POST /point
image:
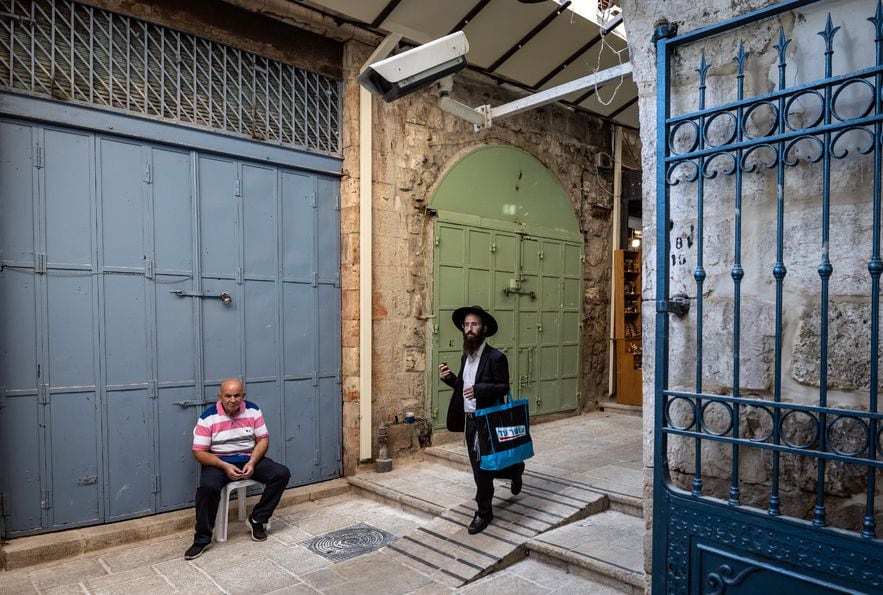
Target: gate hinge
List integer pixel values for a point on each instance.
(339, 376)
(4, 504)
(315, 377)
(45, 499)
(2, 397)
(38, 156)
(152, 393)
(337, 201)
(337, 279)
(313, 199)
(493, 247)
(315, 281)
(148, 174)
(40, 263)
(156, 484)
(434, 328)
(238, 275)
(541, 254)
(435, 413)
(148, 268)
(236, 187)
(316, 457)
(436, 241)
(43, 394)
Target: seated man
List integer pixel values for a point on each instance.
(230, 441)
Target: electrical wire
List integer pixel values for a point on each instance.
(603, 17)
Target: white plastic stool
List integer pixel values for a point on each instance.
(223, 506)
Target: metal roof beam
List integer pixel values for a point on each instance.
(390, 6)
(567, 62)
(470, 15)
(623, 107)
(531, 34)
(584, 96)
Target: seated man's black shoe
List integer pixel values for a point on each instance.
(195, 550)
(258, 533)
(479, 524)
(515, 486)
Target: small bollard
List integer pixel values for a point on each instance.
(383, 463)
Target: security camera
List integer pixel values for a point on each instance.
(416, 68)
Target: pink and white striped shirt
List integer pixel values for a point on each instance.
(232, 439)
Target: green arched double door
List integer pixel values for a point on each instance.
(506, 239)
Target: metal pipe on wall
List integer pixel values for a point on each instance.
(366, 265)
(614, 245)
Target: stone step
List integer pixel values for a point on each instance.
(423, 486)
(457, 459)
(444, 547)
(606, 547)
(537, 574)
(614, 407)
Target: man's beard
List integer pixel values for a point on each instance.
(471, 343)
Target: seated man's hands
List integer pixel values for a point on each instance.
(233, 472)
(247, 470)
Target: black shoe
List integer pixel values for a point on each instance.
(479, 524)
(258, 533)
(195, 550)
(515, 486)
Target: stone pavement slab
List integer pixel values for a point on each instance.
(39, 549)
(609, 545)
(531, 576)
(238, 565)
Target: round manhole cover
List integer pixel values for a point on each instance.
(349, 542)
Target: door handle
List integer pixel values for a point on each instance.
(223, 296)
(190, 403)
(507, 291)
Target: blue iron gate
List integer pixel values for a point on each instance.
(766, 193)
(135, 277)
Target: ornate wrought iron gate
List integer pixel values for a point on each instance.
(768, 433)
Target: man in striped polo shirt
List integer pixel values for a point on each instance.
(230, 441)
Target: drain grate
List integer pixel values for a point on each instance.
(349, 542)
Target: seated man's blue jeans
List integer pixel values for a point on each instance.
(273, 475)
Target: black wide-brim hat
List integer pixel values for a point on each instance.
(490, 325)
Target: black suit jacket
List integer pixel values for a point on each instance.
(491, 385)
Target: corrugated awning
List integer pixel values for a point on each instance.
(534, 46)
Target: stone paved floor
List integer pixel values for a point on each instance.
(579, 453)
(281, 564)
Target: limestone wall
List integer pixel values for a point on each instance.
(414, 145)
(849, 246)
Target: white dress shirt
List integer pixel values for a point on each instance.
(469, 371)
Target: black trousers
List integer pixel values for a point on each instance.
(484, 480)
(273, 475)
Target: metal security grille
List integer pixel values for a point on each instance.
(83, 54)
(734, 157)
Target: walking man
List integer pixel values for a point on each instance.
(230, 441)
(483, 381)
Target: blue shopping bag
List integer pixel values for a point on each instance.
(504, 434)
